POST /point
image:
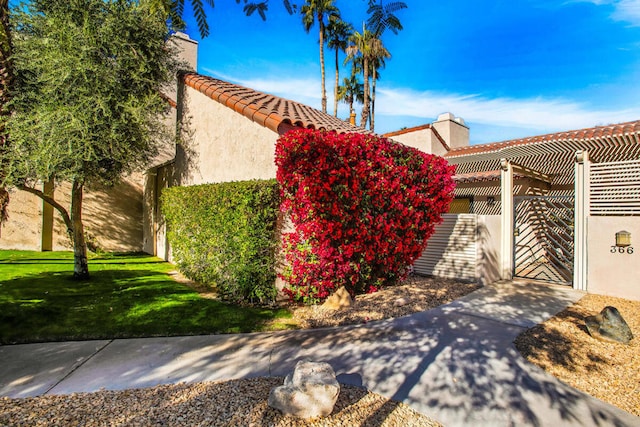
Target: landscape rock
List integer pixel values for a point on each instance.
(401, 302)
(310, 391)
(609, 325)
(339, 300)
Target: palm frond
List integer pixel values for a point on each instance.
(201, 17)
(175, 15)
(395, 6)
(381, 16)
(178, 7)
(260, 7)
(291, 8)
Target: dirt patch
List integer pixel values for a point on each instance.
(563, 347)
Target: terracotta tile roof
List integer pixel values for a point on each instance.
(573, 136)
(278, 114)
(418, 128)
(172, 103)
(407, 130)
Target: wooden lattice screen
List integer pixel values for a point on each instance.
(615, 188)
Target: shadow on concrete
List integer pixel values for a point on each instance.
(456, 363)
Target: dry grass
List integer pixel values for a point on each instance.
(563, 347)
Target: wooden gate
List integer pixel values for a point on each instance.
(543, 238)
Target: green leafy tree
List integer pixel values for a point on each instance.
(87, 104)
(322, 12)
(338, 33)
(6, 82)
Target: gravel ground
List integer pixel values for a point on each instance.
(563, 347)
(229, 403)
(244, 402)
(413, 295)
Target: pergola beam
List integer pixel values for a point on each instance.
(506, 241)
(529, 173)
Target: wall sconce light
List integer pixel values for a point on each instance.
(491, 201)
(623, 239)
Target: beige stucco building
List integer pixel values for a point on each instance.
(541, 208)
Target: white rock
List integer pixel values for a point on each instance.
(400, 302)
(310, 391)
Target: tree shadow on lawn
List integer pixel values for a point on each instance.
(115, 304)
(10, 257)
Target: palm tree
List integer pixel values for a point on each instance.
(378, 55)
(319, 10)
(351, 91)
(338, 33)
(381, 18)
(361, 47)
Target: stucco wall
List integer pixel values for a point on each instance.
(220, 145)
(613, 273)
(112, 218)
(23, 229)
(452, 130)
(488, 235)
(420, 139)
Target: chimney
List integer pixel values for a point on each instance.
(187, 50)
(187, 53)
(453, 130)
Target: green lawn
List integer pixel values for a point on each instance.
(128, 295)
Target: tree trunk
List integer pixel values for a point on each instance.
(374, 76)
(335, 88)
(80, 264)
(365, 105)
(75, 229)
(324, 90)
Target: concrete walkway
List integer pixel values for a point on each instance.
(455, 363)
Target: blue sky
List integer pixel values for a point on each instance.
(509, 69)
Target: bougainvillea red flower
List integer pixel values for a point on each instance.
(363, 208)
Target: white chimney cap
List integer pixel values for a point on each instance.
(445, 116)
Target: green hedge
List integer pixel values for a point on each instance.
(225, 235)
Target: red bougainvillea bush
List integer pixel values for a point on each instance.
(362, 208)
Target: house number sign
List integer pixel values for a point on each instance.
(621, 249)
